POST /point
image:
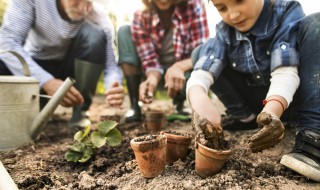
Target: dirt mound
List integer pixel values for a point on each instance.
(42, 165)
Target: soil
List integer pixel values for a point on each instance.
(41, 165)
(208, 135)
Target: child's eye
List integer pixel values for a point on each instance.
(221, 8)
(238, 1)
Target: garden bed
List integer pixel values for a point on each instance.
(42, 165)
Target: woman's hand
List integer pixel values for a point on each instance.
(149, 86)
(174, 80)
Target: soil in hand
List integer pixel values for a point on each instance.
(209, 135)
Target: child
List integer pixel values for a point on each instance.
(262, 51)
(159, 43)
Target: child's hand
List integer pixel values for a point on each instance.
(206, 133)
(271, 133)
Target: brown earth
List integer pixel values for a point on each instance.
(42, 165)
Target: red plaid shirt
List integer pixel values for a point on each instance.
(190, 28)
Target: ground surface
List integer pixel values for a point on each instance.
(42, 165)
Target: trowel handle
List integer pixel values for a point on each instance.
(51, 106)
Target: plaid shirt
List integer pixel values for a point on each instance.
(190, 28)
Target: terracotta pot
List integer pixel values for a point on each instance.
(177, 146)
(154, 121)
(209, 161)
(150, 154)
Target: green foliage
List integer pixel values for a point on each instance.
(87, 143)
(3, 5)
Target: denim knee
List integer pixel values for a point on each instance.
(127, 50)
(90, 43)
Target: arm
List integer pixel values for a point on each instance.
(284, 83)
(206, 117)
(17, 23)
(199, 33)
(197, 95)
(112, 72)
(141, 29)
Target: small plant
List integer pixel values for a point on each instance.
(87, 143)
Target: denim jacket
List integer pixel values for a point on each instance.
(270, 43)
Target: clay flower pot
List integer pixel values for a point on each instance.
(154, 120)
(177, 146)
(150, 153)
(209, 161)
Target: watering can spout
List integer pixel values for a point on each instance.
(49, 108)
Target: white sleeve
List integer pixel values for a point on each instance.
(284, 82)
(201, 78)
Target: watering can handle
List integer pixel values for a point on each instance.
(25, 67)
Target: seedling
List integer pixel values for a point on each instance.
(88, 142)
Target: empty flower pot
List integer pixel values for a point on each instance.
(209, 161)
(154, 120)
(150, 153)
(177, 146)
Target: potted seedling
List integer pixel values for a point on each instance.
(87, 142)
(211, 149)
(150, 153)
(177, 145)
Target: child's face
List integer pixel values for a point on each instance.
(240, 14)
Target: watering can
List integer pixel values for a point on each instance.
(20, 116)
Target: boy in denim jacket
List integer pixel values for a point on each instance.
(263, 65)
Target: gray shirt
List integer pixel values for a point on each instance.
(34, 28)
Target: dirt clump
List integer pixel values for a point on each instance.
(209, 135)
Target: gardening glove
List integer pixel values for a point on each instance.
(271, 133)
(207, 134)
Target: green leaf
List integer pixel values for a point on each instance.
(114, 137)
(106, 126)
(82, 134)
(72, 156)
(87, 154)
(77, 147)
(79, 152)
(84, 158)
(97, 139)
(78, 136)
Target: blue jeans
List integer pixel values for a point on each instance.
(242, 96)
(89, 45)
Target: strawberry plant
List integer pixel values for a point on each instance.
(87, 141)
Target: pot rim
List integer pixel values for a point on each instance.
(144, 146)
(209, 151)
(178, 139)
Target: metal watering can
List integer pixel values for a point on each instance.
(20, 116)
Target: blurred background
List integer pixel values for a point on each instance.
(121, 12)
